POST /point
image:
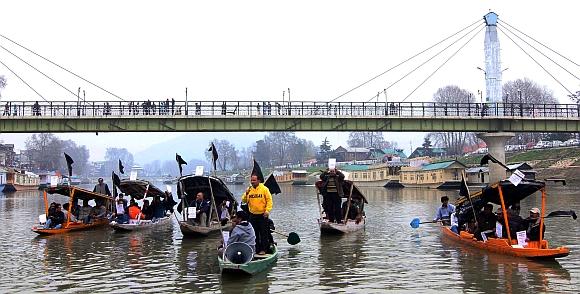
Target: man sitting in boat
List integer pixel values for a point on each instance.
(202, 207)
(224, 213)
(444, 211)
(55, 219)
(99, 211)
(135, 211)
(242, 231)
(332, 194)
(85, 212)
(157, 208)
(516, 223)
(354, 212)
(65, 212)
(533, 225)
(121, 211)
(486, 220)
(168, 202)
(147, 209)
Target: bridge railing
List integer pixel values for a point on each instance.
(294, 109)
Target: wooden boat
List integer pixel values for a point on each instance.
(139, 225)
(187, 188)
(299, 177)
(349, 225)
(140, 189)
(20, 180)
(258, 264)
(236, 179)
(73, 193)
(504, 193)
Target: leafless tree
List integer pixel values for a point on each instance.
(448, 99)
(369, 140)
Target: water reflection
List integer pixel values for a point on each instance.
(339, 258)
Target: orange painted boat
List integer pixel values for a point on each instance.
(502, 246)
(74, 193)
(505, 193)
(71, 227)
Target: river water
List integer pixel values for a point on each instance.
(388, 255)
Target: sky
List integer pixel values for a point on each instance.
(248, 50)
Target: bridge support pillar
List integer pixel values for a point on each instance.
(496, 147)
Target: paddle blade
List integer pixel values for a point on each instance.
(293, 238)
(415, 223)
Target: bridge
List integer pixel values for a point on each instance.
(249, 116)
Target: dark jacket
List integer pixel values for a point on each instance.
(57, 218)
(203, 206)
(102, 189)
(533, 229)
(338, 179)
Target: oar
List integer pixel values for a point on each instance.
(292, 238)
(562, 213)
(416, 222)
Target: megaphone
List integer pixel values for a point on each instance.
(239, 253)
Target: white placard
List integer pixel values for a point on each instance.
(226, 236)
(331, 163)
(498, 230)
(133, 175)
(168, 188)
(483, 236)
(191, 213)
(516, 177)
(522, 238)
(199, 170)
(120, 208)
(53, 181)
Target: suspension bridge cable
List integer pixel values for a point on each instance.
(29, 86)
(540, 43)
(70, 72)
(432, 57)
(508, 30)
(530, 56)
(388, 70)
(38, 70)
(443, 64)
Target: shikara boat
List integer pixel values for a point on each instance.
(187, 188)
(348, 225)
(140, 189)
(505, 193)
(73, 193)
(258, 264)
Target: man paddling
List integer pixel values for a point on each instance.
(444, 211)
(259, 202)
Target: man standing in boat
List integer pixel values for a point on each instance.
(260, 203)
(332, 194)
(102, 188)
(444, 211)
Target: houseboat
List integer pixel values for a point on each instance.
(378, 175)
(283, 176)
(479, 176)
(299, 177)
(19, 180)
(236, 179)
(441, 175)
(2, 178)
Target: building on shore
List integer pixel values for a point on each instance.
(377, 175)
(479, 176)
(446, 174)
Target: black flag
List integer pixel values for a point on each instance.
(116, 179)
(463, 189)
(485, 160)
(121, 167)
(272, 185)
(116, 182)
(257, 171)
(69, 162)
(214, 155)
(180, 161)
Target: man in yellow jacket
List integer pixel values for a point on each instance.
(259, 202)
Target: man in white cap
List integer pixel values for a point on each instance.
(533, 225)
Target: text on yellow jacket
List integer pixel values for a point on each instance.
(259, 199)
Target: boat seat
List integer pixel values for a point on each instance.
(262, 256)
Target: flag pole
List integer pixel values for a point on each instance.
(211, 192)
(464, 182)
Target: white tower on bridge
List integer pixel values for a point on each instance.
(492, 61)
